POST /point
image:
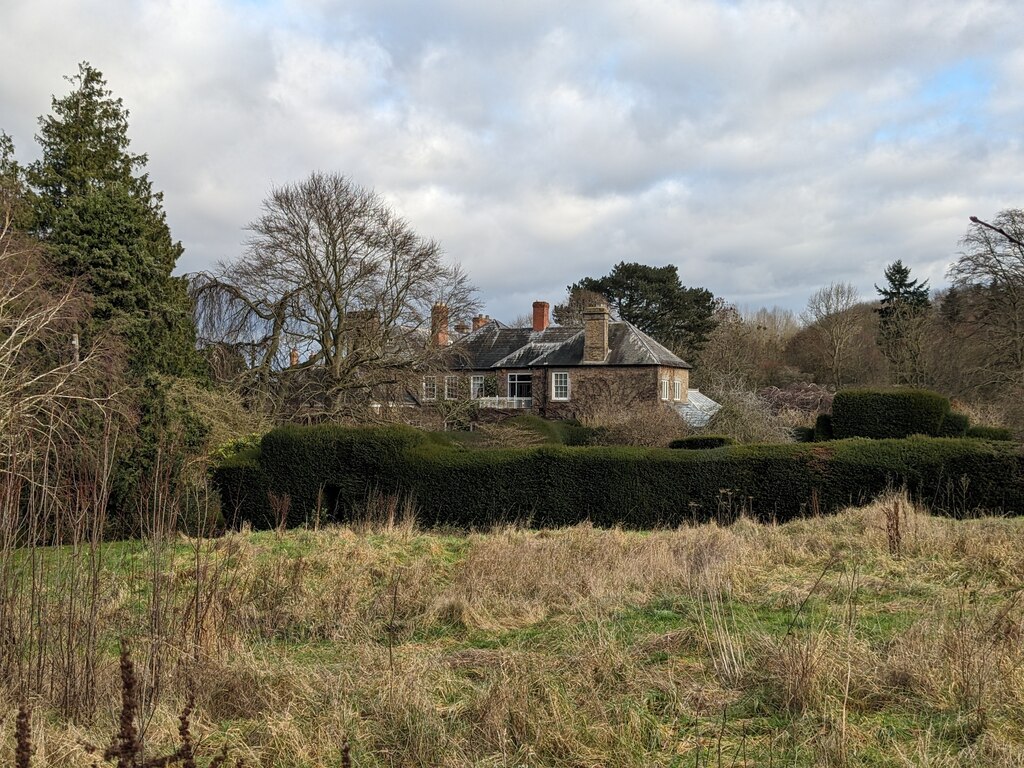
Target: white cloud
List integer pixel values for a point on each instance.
(765, 147)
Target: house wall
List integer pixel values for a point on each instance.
(589, 386)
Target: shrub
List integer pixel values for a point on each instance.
(699, 442)
(803, 434)
(981, 432)
(748, 419)
(823, 428)
(880, 414)
(320, 469)
(243, 487)
(954, 425)
(576, 434)
(333, 470)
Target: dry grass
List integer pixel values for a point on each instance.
(808, 643)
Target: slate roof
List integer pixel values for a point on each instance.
(698, 408)
(497, 346)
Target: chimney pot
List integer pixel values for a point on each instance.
(540, 315)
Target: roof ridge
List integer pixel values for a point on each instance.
(645, 337)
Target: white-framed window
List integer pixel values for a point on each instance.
(664, 389)
(430, 388)
(451, 387)
(677, 390)
(560, 385)
(476, 387)
(520, 385)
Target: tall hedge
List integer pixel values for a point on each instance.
(335, 469)
(881, 414)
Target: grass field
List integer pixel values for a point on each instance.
(882, 636)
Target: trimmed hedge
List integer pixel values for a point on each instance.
(954, 425)
(989, 433)
(337, 468)
(803, 434)
(700, 442)
(244, 490)
(881, 414)
(823, 430)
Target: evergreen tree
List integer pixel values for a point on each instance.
(97, 212)
(655, 301)
(900, 292)
(14, 210)
(901, 314)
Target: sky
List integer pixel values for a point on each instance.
(765, 148)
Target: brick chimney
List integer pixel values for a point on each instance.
(480, 321)
(595, 334)
(293, 358)
(540, 315)
(461, 329)
(439, 324)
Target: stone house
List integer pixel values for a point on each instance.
(557, 371)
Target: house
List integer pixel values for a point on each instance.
(559, 371)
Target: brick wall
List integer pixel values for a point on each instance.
(588, 385)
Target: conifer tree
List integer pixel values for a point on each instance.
(901, 316)
(95, 208)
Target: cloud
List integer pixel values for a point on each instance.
(764, 147)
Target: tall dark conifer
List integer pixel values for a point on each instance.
(95, 208)
(900, 292)
(655, 301)
(903, 308)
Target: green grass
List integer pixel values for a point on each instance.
(590, 647)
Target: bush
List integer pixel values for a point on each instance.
(989, 433)
(803, 434)
(243, 487)
(748, 419)
(954, 425)
(576, 434)
(332, 470)
(699, 442)
(823, 428)
(881, 414)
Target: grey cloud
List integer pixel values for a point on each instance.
(763, 147)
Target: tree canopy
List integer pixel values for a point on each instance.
(104, 226)
(333, 272)
(655, 301)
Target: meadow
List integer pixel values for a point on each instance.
(880, 636)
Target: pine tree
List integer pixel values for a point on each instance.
(655, 301)
(900, 292)
(903, 308)
(96, 210)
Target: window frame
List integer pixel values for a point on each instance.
(554, 387)
(477, 386)
(451, 387)
(664, 389)
(677, 390)
(432, 380)
(520, 377)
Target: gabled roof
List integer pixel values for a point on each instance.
(497, 346)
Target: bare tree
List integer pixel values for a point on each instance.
(333, 273)
(834, 328)
(990, 274)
